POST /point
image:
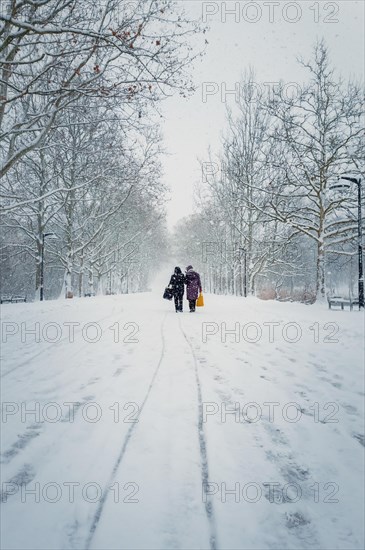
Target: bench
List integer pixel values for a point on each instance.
(89, 294)
(339, 301)
(12, 299)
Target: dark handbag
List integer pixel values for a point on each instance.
(168, 295)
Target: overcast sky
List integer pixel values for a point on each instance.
(269, 41)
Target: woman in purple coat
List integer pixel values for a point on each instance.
(193, 286)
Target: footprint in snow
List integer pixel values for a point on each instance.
(350, 409)
(89, 383)
(267, 378)
(22, 478)
(277, 494)
(318, 367)
(22, 441)
(360, 438)
(307, 413)
(71, 413)
(294, 473)
(277, 436)
(302, 394)
(239, 391)
(226, 398)
(295, 520)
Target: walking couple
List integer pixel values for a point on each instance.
(193, 287)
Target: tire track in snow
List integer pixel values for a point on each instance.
(123, 449)
(297, 522)
(209, 510)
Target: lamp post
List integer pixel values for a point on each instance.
(44, 235)
(244, 271)
(340, 185)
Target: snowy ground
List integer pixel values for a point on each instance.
(131, 443)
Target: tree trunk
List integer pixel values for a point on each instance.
(38, 268)
(320, 275)
(68, 277)
(40, 226)
(81, 274)
(99, 287)
(91, 281)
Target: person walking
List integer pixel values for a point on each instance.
(193, 287)
(177, 286)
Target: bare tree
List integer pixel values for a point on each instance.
(319, 131)
(57, 51)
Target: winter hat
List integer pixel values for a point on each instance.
(177, 270)
(189, 267)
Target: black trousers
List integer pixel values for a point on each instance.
(192, 304)
(178, 298)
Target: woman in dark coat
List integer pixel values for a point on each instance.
(193, 286)
(177, 286)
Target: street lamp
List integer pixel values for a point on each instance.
(342, 185)
(244, 272)
(54, 236)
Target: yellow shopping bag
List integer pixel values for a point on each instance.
(200, 300)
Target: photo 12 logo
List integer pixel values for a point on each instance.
(250, 92)
(272, 12)
(273, 491)
(270, 332)
(68, 491)
(70, 331)
(68, 411)
(269, 411)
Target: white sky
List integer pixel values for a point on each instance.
(192, 125)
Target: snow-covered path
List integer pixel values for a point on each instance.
(156, 430)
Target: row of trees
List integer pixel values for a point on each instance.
(80, 85)
(269, 207)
